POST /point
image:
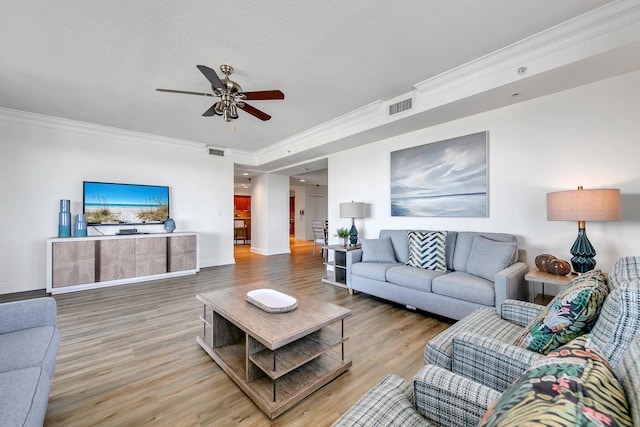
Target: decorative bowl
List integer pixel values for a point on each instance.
(272, 301)
(542, 262)
(559, 267)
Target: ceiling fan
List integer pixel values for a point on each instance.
(231, 95)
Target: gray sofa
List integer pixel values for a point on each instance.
(29, 343)
(482, 271)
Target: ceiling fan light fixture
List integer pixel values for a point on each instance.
(231, 95)
(233, 111)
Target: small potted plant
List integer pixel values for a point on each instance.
(343, 234)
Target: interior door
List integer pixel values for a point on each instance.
(316, 209)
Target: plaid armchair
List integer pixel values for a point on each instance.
(441, 398)
(481, 346)
(479, 351)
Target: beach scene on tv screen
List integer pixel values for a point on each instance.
(106, 203)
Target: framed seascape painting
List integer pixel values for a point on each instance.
(444, 179)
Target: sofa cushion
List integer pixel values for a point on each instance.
(26, 314)
(570, 314)
(24, 395)
(571, 386)
(465, 287)
(372, 270)
(625, 270)
(619, 319)
(628, 373)
(377, 250)
(28, 348)
(464, 241)
(411, 277)
(427, 250)
(400, 242)
(488, 257)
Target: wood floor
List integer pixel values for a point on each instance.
(129, 357)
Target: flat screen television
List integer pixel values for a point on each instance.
(105, 203)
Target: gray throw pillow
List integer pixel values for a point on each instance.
(487, 257)
(377, 250)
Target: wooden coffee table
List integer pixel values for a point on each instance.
(277, 359)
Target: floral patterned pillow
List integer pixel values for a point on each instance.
(570, 314)
(573, 385)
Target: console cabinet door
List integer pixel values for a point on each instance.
(182, 253)
(151, 256)
(116, 259)
(73, 263)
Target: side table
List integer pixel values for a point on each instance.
(537, 276)
(336, 270)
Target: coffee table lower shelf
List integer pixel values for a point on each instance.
(289, 389)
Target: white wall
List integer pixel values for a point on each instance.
(585, 136)
(41, 164)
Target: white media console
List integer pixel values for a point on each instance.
(79, 263)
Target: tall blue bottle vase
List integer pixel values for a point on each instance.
(64, 219)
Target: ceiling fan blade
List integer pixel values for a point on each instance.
(254, 111)
(210, 112)
(211, 76)
(264, 94)
(185, 92)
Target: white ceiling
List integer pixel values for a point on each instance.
(101, 61)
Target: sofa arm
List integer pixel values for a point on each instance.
(509, 283)
(445, 398)
(520, 312)
(26, 314)
(352, 257)
(389, 403)
(489, 361)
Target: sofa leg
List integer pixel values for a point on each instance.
(410, 307)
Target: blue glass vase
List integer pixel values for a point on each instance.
(169, 225)
(81, 226)
(64, 219)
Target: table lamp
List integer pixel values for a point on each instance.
(353, 210)
(583, 205)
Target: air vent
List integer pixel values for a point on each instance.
(216, 152)
(399, 107)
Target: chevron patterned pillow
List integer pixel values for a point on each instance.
(427, 250)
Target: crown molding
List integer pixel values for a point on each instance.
(348, 124)
(607, 28)
(41, 120)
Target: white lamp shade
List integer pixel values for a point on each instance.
(352, 210)
(584, 205)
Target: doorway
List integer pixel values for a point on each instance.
(316, 210)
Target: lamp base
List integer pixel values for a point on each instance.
(583, 253)
(353, 234)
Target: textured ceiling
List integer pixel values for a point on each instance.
(100, 61)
